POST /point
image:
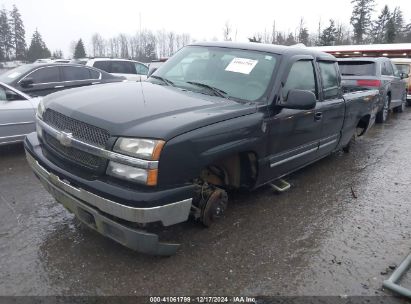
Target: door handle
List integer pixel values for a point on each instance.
(318, 116)
(59, 87)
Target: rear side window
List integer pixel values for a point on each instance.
(403, 68)
(386, 69)
(102, 65)
(94, 74)
(122, 67)
(329, 79)
(301, 77)
(75, 73)
(357, 68)
(46, 75)
(141, 69)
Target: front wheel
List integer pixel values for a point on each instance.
(382, 115)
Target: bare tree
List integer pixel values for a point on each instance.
(227, 31)
(123, 46)
(170, 41)
(97, 45)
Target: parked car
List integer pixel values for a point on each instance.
(375, 73)
(130, 69)
(404, 66)
(17, 114)
(215, 116)
(82, 61)
(154, 65)
(43, 79)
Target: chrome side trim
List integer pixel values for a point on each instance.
(169, 214)
(17, 123)
(12, 136)
(293, 157)
(100, 152)
(328, 143)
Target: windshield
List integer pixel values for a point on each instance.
(403, 68)
(232, 73)
(357, 68)
(9, 76)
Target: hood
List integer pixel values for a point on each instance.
(144, 109)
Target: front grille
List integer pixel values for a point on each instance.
(80, 130)
(85, 159)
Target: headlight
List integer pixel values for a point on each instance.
(133, 174)
(40, 109)
(148, 149)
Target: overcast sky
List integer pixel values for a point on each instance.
(62, 21)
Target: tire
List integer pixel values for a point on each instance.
(401, 108)
(382, 115)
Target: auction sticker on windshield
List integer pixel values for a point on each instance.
(241, 65)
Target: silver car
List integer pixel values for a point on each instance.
(17, 114)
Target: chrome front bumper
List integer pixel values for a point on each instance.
(169, 214)
(90, 209)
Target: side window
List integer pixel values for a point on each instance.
(75, 73)
(9, 95)
(46, 75)
(386, 69)
(394, 68)
(122, 67)
(3, 95)
(329, 79)
(141, 69)
(301, 77)
(94, 74)
(390, 69)
(102, 65)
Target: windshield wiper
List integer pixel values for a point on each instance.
(216, 91)
(165, 80)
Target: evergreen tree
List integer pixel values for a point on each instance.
(280, 39)
(255, 38)
(79, 51)
(18, 34)
(37, 49)
(361, 18)
(5, 36)
(290, 40)
(379, 26)
(303, 36)
(407, 34)
(390, 31)
(328, 36)
(398, 19)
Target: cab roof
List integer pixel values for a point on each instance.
(269, 48)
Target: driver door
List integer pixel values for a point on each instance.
(16, 116)
(295, 134)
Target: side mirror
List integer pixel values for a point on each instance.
(299, 100)
(151, 72)
(27, 82)
(403, 75)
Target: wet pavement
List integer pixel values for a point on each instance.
(336, 232)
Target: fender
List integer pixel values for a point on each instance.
(186, 155)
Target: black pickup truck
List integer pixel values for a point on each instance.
(215, 117)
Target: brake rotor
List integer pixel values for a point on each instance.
(215, 207)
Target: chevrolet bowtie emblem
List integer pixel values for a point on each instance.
(65, 138)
